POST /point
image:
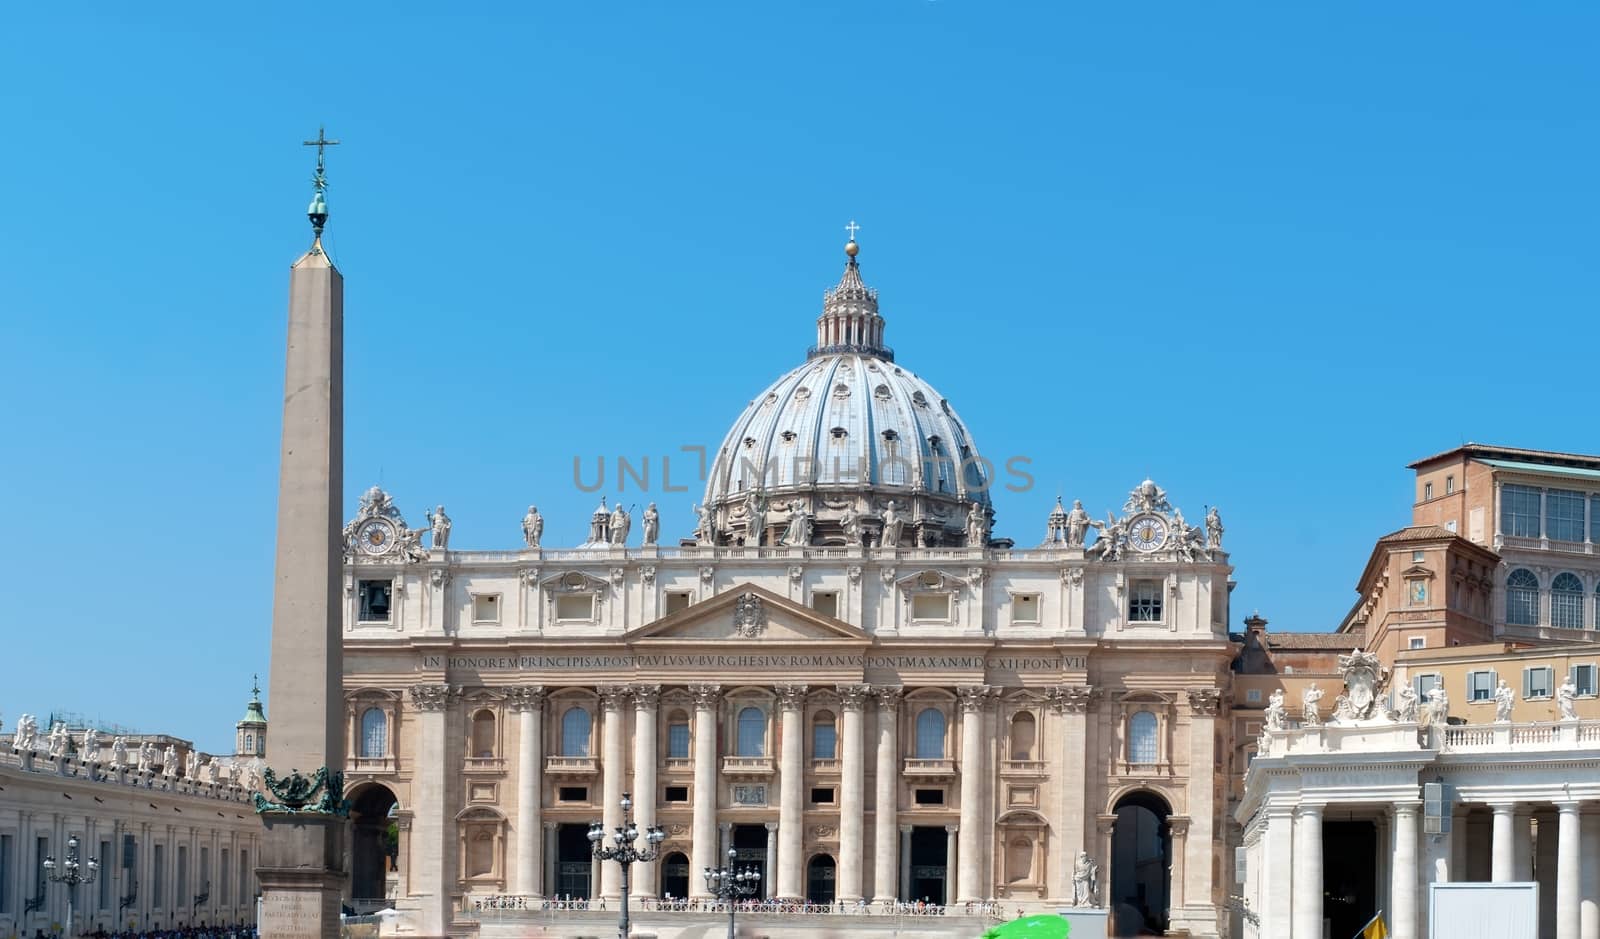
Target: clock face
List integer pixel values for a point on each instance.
(376, 536)
(1147, 533)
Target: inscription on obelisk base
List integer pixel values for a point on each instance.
(301, 877)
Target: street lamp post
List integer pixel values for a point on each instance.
(731, 886)
(624, 852)
(72, 874)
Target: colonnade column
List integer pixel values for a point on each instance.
(885, 884)
(552, 847)
(431, 807)
(791, 780)
(1569, 866)
(1308, 872)
(704, 848)
(613, 772)
(974, 702)
(905, 864)
(646, 877)
(852, 804)
(1070, 775)
(1589, 905)
(1502, 867)
(769, 883)
(1403, 886)
(529, 705)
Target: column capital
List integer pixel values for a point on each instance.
(705, 696)
(1308, 809)
(888, 696)
(525, 698)
(725, 826)
(771, 826)
(852, 697)
(1205, 701)
(1070, 699)
(905, 829)
(1178, 825)
(1503, 808)
(791, 697)
(551, 826)
(612, 696)
(1105, 824)
(645, 697)
(976, 697)
(951, 829)
(1568, 806)
(1407, 809)
(433, 697)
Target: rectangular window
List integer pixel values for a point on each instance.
(1519, 511)
(1253, 696)
(573, 794)
(578, 607)
(223, 883)
(1025, 608)
(825, 602)
(822, 795)
(677, 600)
(676, 794)
(1583, 676)
(1449, 485)
(158, 864)
(1144, 602)
(1427, 491)
(1538, 682)
(1422, 684)
(105, 881)
(1417, 557)
(1594, 519)
(1563, 511)
(486, 608)
(375, 596)
(930, 607)
(678, 741)
(1418, 642)
(5, 873)
(929, 797)
(1480, 686)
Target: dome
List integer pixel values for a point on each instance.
(839, 438)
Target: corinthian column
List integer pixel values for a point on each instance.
(1070, 702)
(974, 702)
(613, 770)
(645, 698)
(529, 705)
(791, 793)
(704, 849)
(431, 807)
(886, 802)
(852, 807)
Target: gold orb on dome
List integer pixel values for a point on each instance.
(851, 248)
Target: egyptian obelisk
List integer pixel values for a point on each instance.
(301, 867)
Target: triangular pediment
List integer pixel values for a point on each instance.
(747, 613)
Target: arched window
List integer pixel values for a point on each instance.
(374, 734)
(1142, 745)
(575, 732)
(1023, 735)
(824, 736)
(1522, 598)
(1566, 601)
(677, 736)
(930, 734)
(752, 732)
(483, 734)
(1019, 861)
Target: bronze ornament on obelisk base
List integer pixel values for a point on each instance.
(301, 865)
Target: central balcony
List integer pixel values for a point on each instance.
(747, 767)
(930, 769)
(577, 767)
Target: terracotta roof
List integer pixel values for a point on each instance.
(1418, 533)
(1489, 450)
(1341, 641)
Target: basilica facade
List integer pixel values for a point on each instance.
(846, 676)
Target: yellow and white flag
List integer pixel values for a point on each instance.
(1374, 929)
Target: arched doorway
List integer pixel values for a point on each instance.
(820, 879)
(1141, 862)
(674, 876)
(374, 841)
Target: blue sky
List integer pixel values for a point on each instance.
(1267, 255)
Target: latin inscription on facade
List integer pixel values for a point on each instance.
(774, 661)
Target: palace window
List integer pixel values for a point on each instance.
(1449, 485)
(1253, 696)
(677, 600)
(573, 794)
(1519, 511)
(575, 732)
(486, 608)
(1024, 733)
(1594, 519)
(1563, 510)
(930, 607)
(929, 797)
(1144, 602)
(1566, 601)
(1417, 642)
(675, 794)
(1583, 677)
(822, 795)
(374, 733)
(752, 732)
(824, 736)
(825, 602)
(930, 734)
(1025, 608)
(678, 736)
(374, 596)
(1538, 682)
(1522, 598)
(1480, 686)
(1422, 684)
(483, 734)
(1427, 491)
(1142, 742)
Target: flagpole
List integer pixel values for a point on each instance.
(1362, 932)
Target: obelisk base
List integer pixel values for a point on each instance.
(302, 876)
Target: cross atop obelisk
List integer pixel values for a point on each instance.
(318, 212)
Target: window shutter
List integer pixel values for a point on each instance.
(1527, 683)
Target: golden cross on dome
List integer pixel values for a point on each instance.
(852, 228)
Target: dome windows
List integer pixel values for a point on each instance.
(919, 399)
(802, 393)
(841, 390)
(935, 445)
(881, 392)
(770, 399)
(788, 436)
(891, 435)
(838, 434)
(749, 443)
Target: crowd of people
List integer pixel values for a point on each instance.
(202, 931)
(669, 903)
